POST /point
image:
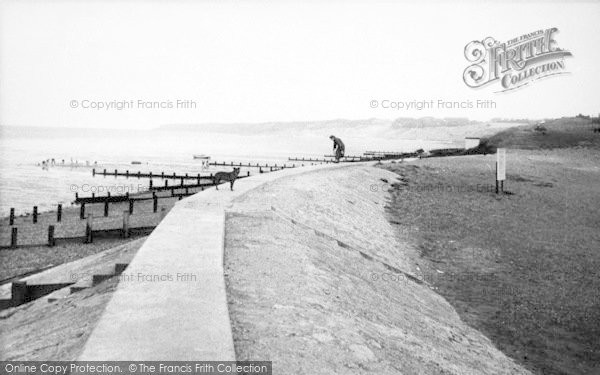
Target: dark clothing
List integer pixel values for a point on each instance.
(338, 147)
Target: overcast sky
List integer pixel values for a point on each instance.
(275, 61)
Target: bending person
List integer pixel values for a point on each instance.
(338, 147)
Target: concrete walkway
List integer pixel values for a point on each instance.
(171, 303)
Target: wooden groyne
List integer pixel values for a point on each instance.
(32, 230)
(325, 161)
(309, 160)
(382, 153)
(48, 233)
(371, 156)
(161, 175)
(350, 157)
(271, 167)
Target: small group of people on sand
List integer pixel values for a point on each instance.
(45, 164)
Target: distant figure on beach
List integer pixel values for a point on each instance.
(338, 147)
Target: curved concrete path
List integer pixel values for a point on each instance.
(171, 303)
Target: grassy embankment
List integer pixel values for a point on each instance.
(522, 267)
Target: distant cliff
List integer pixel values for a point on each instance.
(427, 128)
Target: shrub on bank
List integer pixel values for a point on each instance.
(485, 147)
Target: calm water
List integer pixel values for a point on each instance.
(23, 183)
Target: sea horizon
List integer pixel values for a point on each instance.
(25, 183)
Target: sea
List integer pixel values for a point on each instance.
(25, 182)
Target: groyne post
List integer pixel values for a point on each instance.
(35, 214)
(125, 232)
(11, 219)
(59, 213)
(82, 211)
(88, 229)
(13, 237)
(51, 239)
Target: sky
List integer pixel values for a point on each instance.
(260, 61)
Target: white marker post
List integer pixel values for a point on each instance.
(500, 169)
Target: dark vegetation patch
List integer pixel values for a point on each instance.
(521, 268)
